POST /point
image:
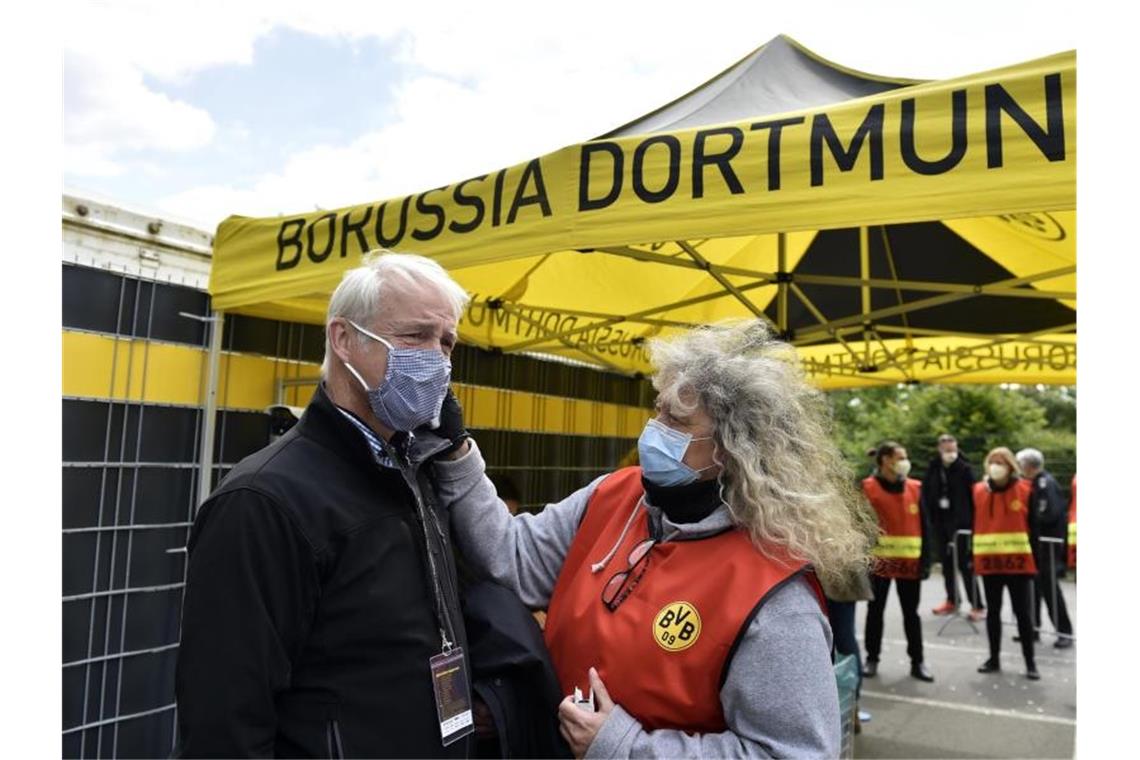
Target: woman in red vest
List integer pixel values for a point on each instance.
(1002, 554)
(686, 593)
(900, 555)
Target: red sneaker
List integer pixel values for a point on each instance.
(945, 608)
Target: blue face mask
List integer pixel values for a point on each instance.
(661, 449)
(414, 386)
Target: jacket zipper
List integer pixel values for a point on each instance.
(332, 736)
(446, 626)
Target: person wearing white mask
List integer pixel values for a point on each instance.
(686, 592)
(901, 555)
(947, 497)
(1002, 554)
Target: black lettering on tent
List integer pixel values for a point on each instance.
(933, 358)
(318, 256)
(585, 202)
(1037, 357)
(722, 159)
(474, 201)
(958, 140)
(1056, 362)
(533, 171)
(1050, 141)
(673, 146)
(289, 236)
(822, 131)
(430, 209)
(1013, 363)
(356, 228)
(472, 305)
(389, 242)
(777, 127)
(497, 205)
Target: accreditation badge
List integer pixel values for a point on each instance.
(452, 695)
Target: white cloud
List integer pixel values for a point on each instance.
(489, 84)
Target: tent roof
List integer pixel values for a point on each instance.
(780, 76)
(899, 231)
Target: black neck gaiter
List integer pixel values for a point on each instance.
(689, 503)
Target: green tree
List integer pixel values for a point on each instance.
(979, 416)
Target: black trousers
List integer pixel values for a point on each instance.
(908, 591)
(965, 568)
(1019, 592)
(842, 617)
(1046, 583)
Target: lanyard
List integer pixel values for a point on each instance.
(427, 517)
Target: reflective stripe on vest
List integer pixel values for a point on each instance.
(1073, 533)
(1001, 543)
(664, 651)
(902, 547)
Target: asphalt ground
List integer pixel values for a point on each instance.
(965, 713)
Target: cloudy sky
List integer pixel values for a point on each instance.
(205, 109)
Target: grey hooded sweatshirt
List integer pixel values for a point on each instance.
(779, 698)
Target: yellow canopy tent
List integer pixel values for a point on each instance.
(893, 230)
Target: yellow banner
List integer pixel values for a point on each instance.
(1001, 543)
(898, 547)
(994, 143)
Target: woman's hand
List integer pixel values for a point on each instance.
(578, 726)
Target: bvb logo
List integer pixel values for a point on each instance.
(912, 508)
(1016, 506)
(1036, 225)
(677, 626)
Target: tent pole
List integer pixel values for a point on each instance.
(632, 317)
(865, 273)
(210, 405)
(925, 303)
(991, 289)
(781, 278)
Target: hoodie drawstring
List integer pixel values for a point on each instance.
(599, 566)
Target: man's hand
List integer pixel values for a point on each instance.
(484, 720)
(578, 726)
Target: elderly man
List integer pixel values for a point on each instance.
(321, 616)
(947, 489)
(1048, 518)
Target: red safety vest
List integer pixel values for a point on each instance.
(898, 553)
(663, 653)
(1073, 527)
(1001, 530)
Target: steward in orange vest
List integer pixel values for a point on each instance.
(679, 624)
(900, 555)
(1002, 554)
(899, 551)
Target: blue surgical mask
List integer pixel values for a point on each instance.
(414, 386)
(661, 449)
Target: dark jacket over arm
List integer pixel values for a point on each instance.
(244, 544)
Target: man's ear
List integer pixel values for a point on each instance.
(341, 338)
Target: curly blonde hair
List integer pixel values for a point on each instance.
(783, 478)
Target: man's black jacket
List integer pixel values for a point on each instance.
(956, 482)
(1048, 516)
(513, 674)
(309, 616)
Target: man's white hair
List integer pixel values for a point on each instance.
(360, 294)
(1032, 458)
